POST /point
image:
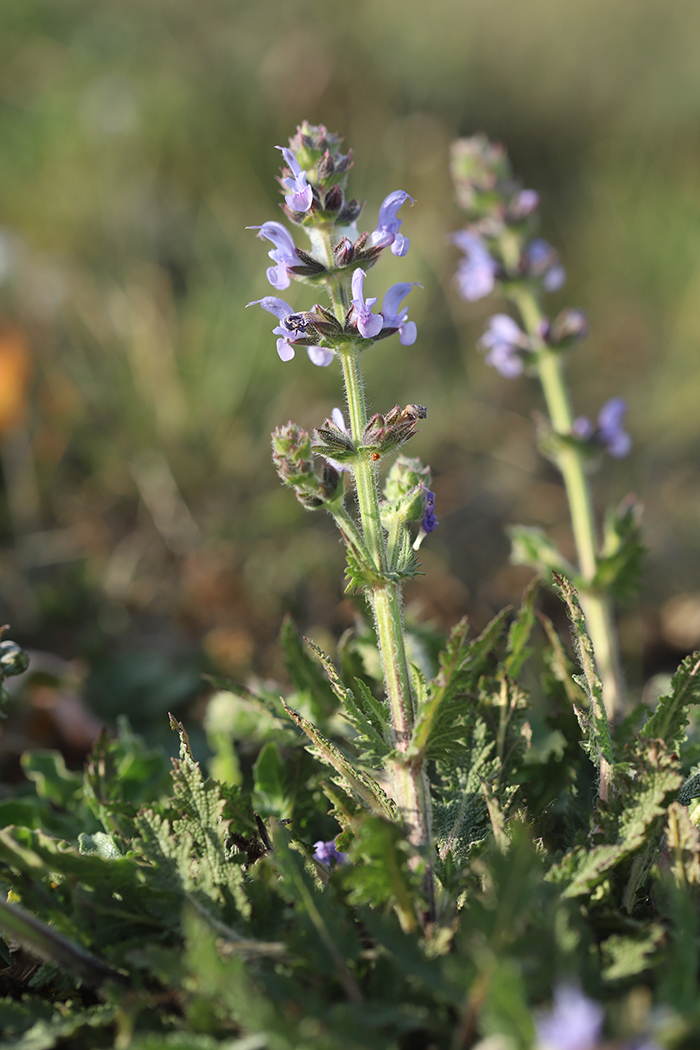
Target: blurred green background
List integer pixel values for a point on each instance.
(144, 534)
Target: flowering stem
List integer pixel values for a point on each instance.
(596, 605)
(410, 781)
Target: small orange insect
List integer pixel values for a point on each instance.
(375, 456)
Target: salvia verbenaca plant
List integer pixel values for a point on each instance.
(504, 255)
(465, 855)
(380, 546)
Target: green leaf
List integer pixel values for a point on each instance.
(594, 722)
(531, 546)
(620, 564)
(330, 925)
(100, 844)
(54, 781)
(644, 788)
(669, 720)
(30, 931)
(270, 782)
(370, 720)
(360, 784)
(517, 650)
(380, 870)
(625, 956)
(448, 700)
(214, 876)
(305, 674)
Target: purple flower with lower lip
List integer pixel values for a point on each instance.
(429, 522)
(326, 853)
(609, 431)
(388, 223)
(300, 193)
(504, 341)
(394, 317)
(610, 427)
(284, 254)
(368, 324)
(542, 261)
(476, 273)
(573, 1023)
(318, 355)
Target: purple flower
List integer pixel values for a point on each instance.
(504, 340)
(476, 273)
(429, 521)
(543, 262)
(396, 318)
(368, 324)
(300, 193)
(326, 853)
(610, 428)
(523, 203)
(609, 431)
(387, 231)
(284, 254)
(318, 355)
(573, 1023)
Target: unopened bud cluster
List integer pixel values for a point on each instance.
(293, 458)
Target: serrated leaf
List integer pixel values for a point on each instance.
(619, 567)
(594, 722)
(359, 783)
(517, 650)
(50, 944)
(369, 720)
(270, 782)
(626, 956)
(335, 934)
(461, 664)
(669, 720)
(532, 546)
(380, 870)
(305, 673)
(642, 797)
(213, 872)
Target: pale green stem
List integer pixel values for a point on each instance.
(410, 782)
(595, 604)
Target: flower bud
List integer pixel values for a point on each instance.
(566, 329)
(333, 442)
(292, 455)
(405, 478)
(479, 167)
(384, 433)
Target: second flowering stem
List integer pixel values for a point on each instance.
(570, 461)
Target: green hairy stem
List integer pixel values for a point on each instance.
(596, 604)
(410, 784)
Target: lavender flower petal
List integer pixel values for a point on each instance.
(284, 254)
(476, 273)
(388, 224)
(368, 324)
(396, 318)
(326, 853)
(610, 427)
(504, 340)
(300, 193)
(320, 355)
(573, 1023)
